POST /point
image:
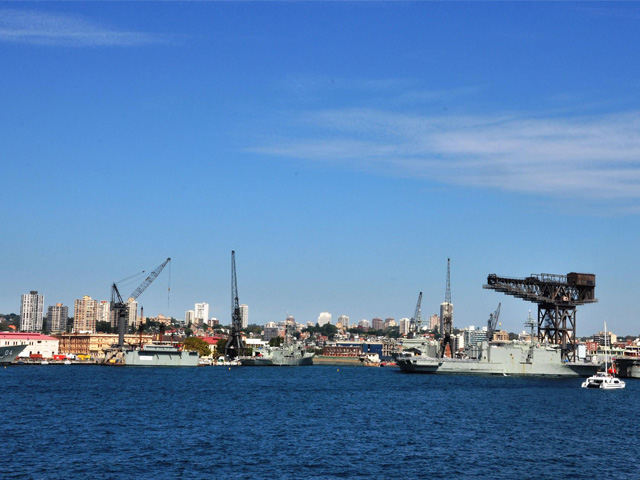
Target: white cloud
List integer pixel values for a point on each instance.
(41, 28)
(587, 157)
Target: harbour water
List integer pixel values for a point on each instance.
(93, 422)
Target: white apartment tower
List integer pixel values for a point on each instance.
(85, 314)
(57, 316)
(324, 318)
(244, 315)
(344, 320)
(201, 313)
(189, 317)
(132, 313)
(31, 307)
(104, 311)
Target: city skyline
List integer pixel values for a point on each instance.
(344, 150)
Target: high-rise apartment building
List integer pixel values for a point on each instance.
(189, 317)
(434, 322)
(344, 320)
(132, 313)
(364, 323)
(324, 318)
(377, 323)
(390, 322)
(57, 316)
(31, 307)
(85, 314)
(244, 315)
(104, 311)
(201, 313)
(404, 326)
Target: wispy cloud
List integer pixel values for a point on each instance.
(43, 28)
(587, 157)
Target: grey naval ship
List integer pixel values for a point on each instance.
(288, 355)
(514, 358)
(9, 353)
(517, 359)
(154, 355)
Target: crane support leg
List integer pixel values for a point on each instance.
(557, 325)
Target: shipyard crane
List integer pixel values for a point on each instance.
(446, 316)
(557, 297)
(235, 346)
(120, 308)
(416, 321)
(493, 323)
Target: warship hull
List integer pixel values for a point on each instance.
(628, 367)
(279, 357)
(160, 356)
(9, 353)
(506, 360)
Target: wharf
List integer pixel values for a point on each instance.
(345, 361)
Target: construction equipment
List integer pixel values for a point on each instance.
(120, 308)
(235, 346)
(446, 316)
(416, 321)
(493, 323)
(557, 297)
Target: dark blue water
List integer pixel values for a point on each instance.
(90, 422)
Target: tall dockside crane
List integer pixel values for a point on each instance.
(235, 345)
(493, 323)
(446, 316)
(120, 308)
(416, 320)
(557, 297)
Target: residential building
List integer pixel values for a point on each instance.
(390, 322)
(104, 311)
(31, 309)
(324, 318)
(364, 323)
(609, 337)
(377, 323)
(201, 314)
(57, 316)
(474, 336)
(344, 320)
(85, 314)
(95, 344)
(189, 317)
(272, 330)
(132, 313)
(404, 326)
(244, 315)
(434, 322)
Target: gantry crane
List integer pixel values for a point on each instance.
(416, 320)
(235, 345)
(446, 316)
(493, 323)
(557, 297)
(120, 308)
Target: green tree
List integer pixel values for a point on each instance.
(220, 347)
(197, 345)
(103, 327)
(275, 342)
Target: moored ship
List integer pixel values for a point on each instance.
(155, 355)
(517, 359)
(8, 353)
(288, 355)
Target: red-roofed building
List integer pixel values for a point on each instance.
(37, 343)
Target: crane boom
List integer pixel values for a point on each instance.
(119, 307)
(147, 281)
(416, 321)
(235, 345)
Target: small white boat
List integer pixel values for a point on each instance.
(605, 380)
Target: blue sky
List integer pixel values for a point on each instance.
(344, 150)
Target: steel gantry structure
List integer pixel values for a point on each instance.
(557, 297)
(235, 346)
